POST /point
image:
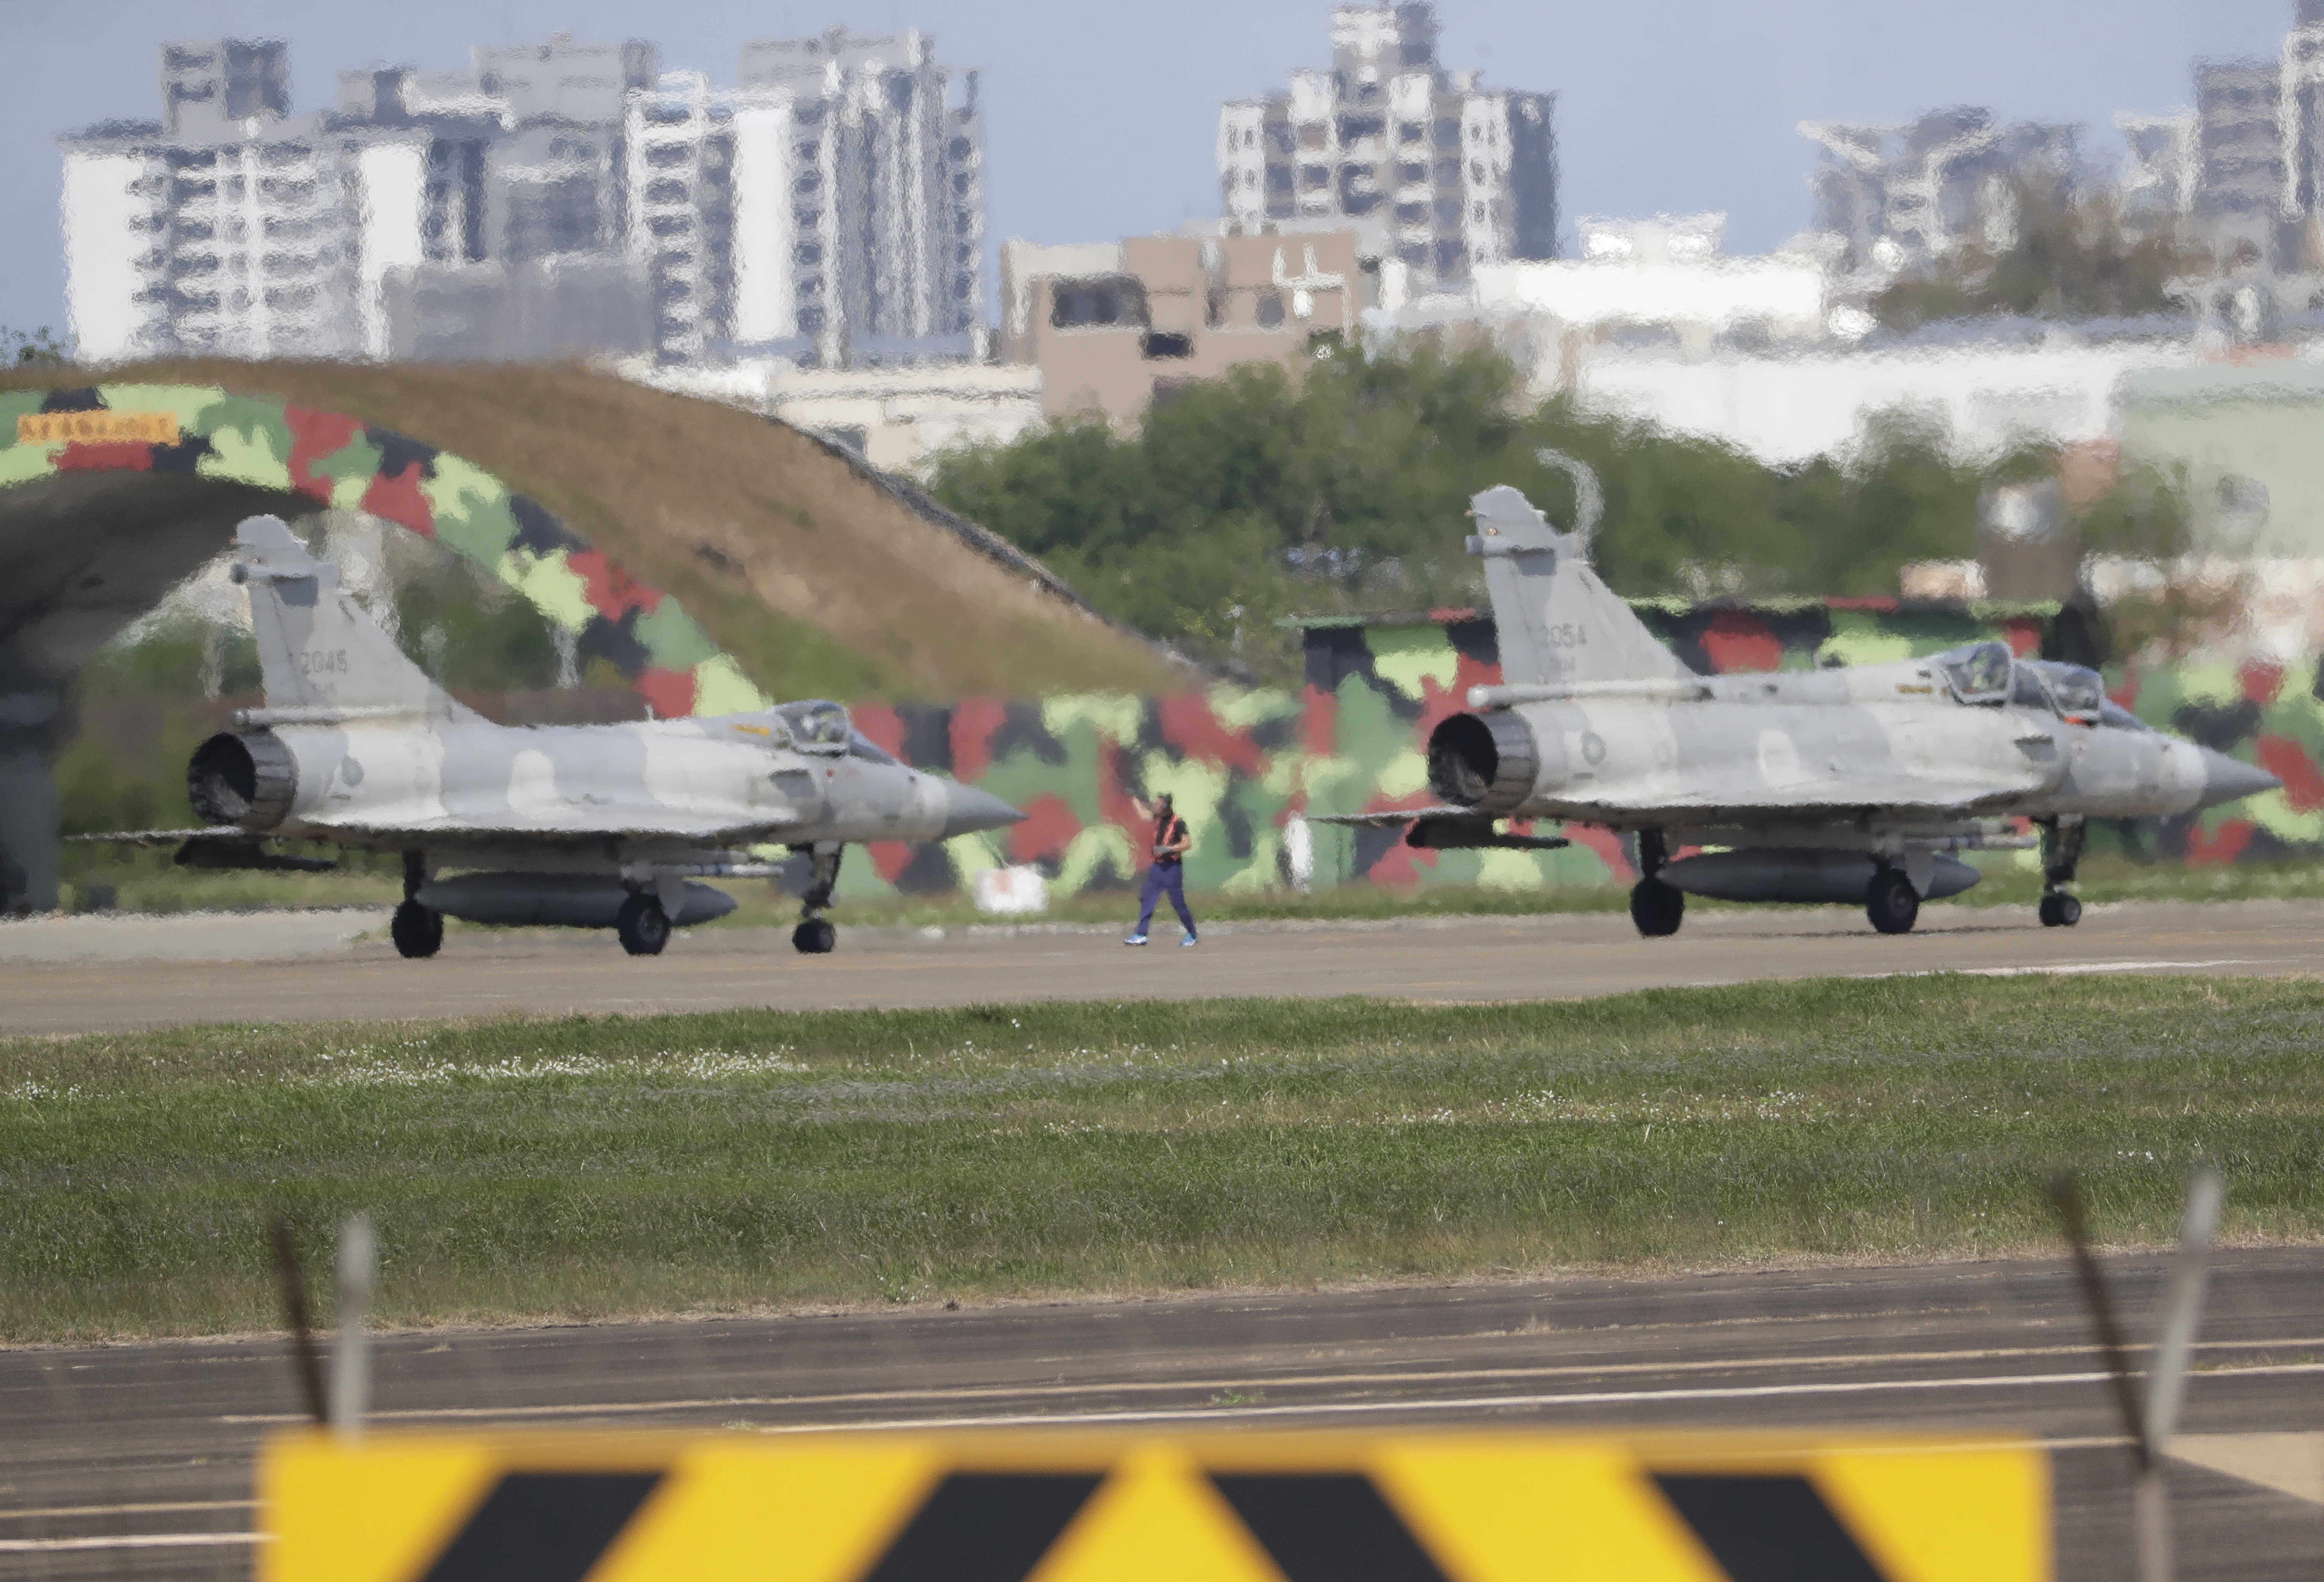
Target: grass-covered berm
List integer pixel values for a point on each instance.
(557, 1169)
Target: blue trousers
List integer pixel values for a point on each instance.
(1164, 879)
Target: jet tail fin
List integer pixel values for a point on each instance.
(1558, 624)
(317, 650)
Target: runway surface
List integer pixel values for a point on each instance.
(136, 1461)
(81, 974)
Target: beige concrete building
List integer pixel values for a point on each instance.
(1115, 327)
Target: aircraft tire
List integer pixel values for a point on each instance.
(1891, 902)
(815, 937)
(418, 931)
(643, 925)
(2061, 910)
(1656, 908)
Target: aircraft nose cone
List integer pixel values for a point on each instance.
(2225, 779)
(968, 809)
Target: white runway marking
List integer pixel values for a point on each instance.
(1296, 1381)
(126, 1510)
(1505, 1402)
(23, 1546)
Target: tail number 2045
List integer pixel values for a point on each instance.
(317, 661)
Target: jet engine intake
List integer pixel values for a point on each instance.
(1485, 761)
(246, 778)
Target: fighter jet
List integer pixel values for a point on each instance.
(603, 825)
(1853, 784)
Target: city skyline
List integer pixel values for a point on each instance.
(1653, 117)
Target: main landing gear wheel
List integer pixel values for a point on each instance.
(1891, 901)
(643, 925)
(418, 931)
(1656, 908)
(815, 937)
(2061, 910)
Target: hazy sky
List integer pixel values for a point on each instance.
(1100, 115)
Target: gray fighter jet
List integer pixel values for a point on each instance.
(1855, 784)
(605, 826)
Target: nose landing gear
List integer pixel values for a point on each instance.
(2062, 852)
(815, 935)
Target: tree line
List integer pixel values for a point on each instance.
(1341, 487)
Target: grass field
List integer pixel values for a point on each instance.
(575, 1168)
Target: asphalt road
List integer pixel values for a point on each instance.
(72, 976)
(136, 1461)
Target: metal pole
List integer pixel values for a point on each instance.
(2166, 1383)
(351, 1358)
(2182, 1309)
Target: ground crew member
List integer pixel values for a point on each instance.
(1167, 876)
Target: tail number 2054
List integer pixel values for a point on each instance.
(1566, 634)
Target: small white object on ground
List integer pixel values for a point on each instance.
(1016, 891)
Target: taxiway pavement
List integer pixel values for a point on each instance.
(135, 1461)
(74, 976)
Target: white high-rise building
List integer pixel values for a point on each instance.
(1433, 171)
(859, 199)
(229, 227)
(556, 197)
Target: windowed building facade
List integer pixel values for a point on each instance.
(1432, 170)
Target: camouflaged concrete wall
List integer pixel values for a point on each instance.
(336, 459)
(1242, 763)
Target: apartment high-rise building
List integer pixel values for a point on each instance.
(2247, 164)
(2241, 185)
(859, 218)
(225, 228)
(558, 197)
(1430, 169)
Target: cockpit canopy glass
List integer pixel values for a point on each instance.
(2026, 690)
(817, 726)
(2078, 691)
(1979, 673)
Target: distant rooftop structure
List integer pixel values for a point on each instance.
(1116, 326)
(1908, 192)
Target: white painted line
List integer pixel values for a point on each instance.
(1504, 1403)
(25, 1546)
(1312, 1380)
(127, 1510)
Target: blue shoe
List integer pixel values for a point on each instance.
(1189, 940)
(1135, 940)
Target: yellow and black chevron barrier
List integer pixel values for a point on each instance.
(1210, 1507)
